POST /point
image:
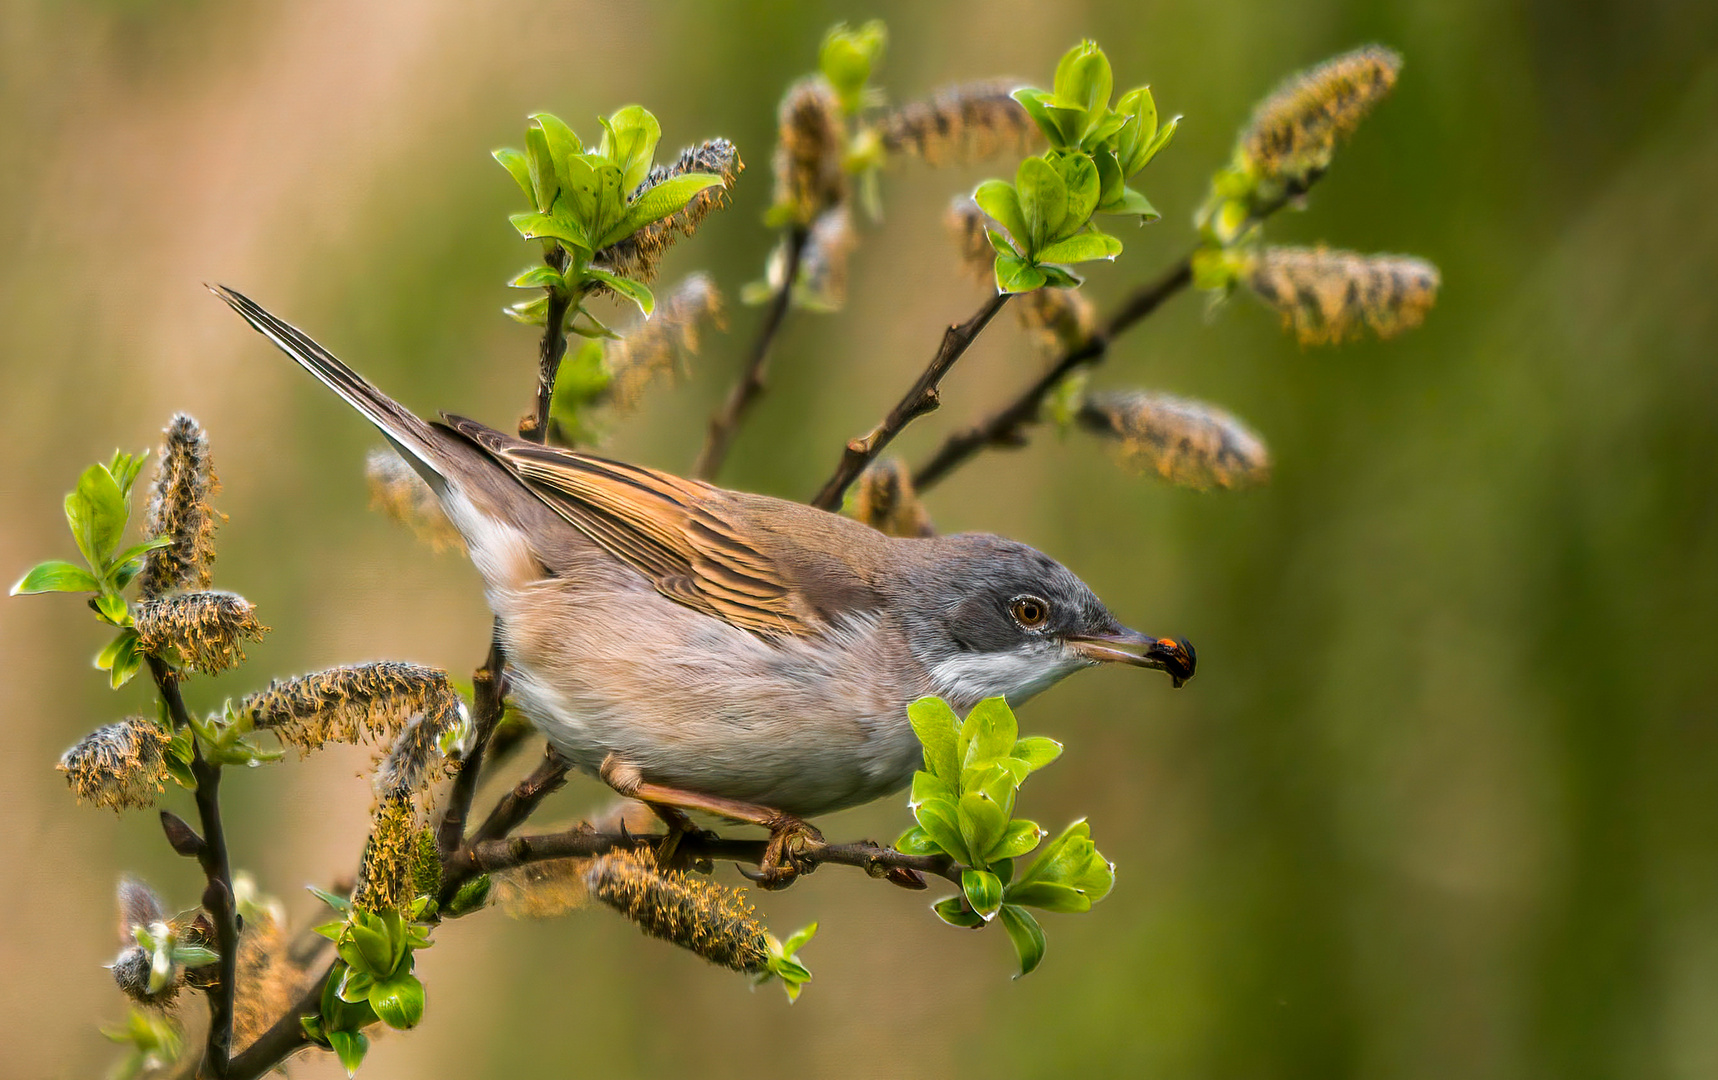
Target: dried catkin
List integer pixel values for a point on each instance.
(1186, 442)
(959, 125)
(1295, 131)
(638, 256)
(692, 912)
(207, 629)
(811, 142)
(662, 342)
(1327, 296)
(885, 500)
(349, 704)
(179, 508)
(120, 765)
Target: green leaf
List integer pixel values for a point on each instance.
(1161, 140)
(636, 291)
(366, 947)
(981, 822)
(630, 136)
(520, 169)
(988, 733)
(940, 819)
(953, 910)
(848, 58)
(1080, 178)
(1082, 247)
(562, 143)
(471, 896)
(916, 841)
(1036, 751)
(1043, 201)
(1059, 124)
(1057, 277)
(936, 725)
(533, 312)
(1084, 80)
(55, 575)
(105, 659)
(1132, 202)
(999, 199)
(399, 1001)
(126, 661)
(1000, 243)
(1027, 936)
(101, 515)
(1018, 838)
(1014, 275)
(660, 201)
(546, 179)
(928, 786)
(538, 277)
(350, 1047)
(535, 226)
(1110, 184)
(125, 468)
(338, 903)
(1050, 896)
(983, 892)
(1135, 137)
(799, 939)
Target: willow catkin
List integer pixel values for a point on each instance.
(120, 765)
(1185, 442)
(823, 262)
(1058, 319)
(1295, 131)
(885, 500)
(385, 876)
(417, 749)
(638, 256)
(348, 704)
(207, 629)
(267, 981)
(139, 908)
(959, 125)
(662, 342)
(401, 494)
(1327, 296)
(811, 143)
(694, 913)
(179, 509)
(542, 890)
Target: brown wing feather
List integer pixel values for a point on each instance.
(673, 531)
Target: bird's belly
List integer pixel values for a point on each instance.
(747, 721)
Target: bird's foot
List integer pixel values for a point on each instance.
(784, 854)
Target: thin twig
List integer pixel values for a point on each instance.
(535, 424)
(1006, 426)
(921, 399)
(510, 812)
(218, 873)
(487, 706)
(725, 424)
(489, 856)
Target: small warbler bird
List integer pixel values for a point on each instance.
(734, 654)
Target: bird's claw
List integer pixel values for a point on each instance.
(784, 855)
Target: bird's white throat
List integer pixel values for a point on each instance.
(967, 678)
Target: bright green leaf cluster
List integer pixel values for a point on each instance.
(1046, 213)
(585, 202)
(97, 513)
(784, 962)
(849, 57)
(154, 1042)
(372, 979)
(963, 801)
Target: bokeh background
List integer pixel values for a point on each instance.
(1442, 801)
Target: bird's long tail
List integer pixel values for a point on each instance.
(415, 439)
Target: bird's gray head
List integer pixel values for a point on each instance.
(996, 617)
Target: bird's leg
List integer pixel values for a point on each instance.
(678, 826)
(788, 834)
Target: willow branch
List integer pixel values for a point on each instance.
(725, 424)
(510, 812)
(921, 399)
(486, 709)
(1007, 426)
(490, 856)
(218, 874)
(535, 424)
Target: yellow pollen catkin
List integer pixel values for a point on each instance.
(1296, 130)
(179, 509)
(662, 342)
(120, 765)
(959, 125)
(1185, 442)
(885, 500)
(811, 142)
(349, 704)
(403, 496)
(638, 256)
(692, 912)
(207, 629)
(1327, 297)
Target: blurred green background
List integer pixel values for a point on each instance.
(1441, 802)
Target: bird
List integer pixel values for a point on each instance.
(726, 653)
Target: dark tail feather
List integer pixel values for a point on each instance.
(413, 438)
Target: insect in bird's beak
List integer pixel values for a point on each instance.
(1124, 646)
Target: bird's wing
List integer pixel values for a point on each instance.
(675, 532)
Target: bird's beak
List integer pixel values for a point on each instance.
(1124, 646)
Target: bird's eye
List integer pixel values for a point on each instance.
(1029, 611)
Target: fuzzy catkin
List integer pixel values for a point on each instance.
(811, 141)
(179, 508)
(385, 876)
(417, 749)
(266, 982)
(959, 125)
(1296, 130)
(663, 341)
(402, 495)
(1185, 442)
(348, 704)
(207, 629)
(120, 765)
(638, 256)
(694, 913)
(1327, 296)
(885, 500)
